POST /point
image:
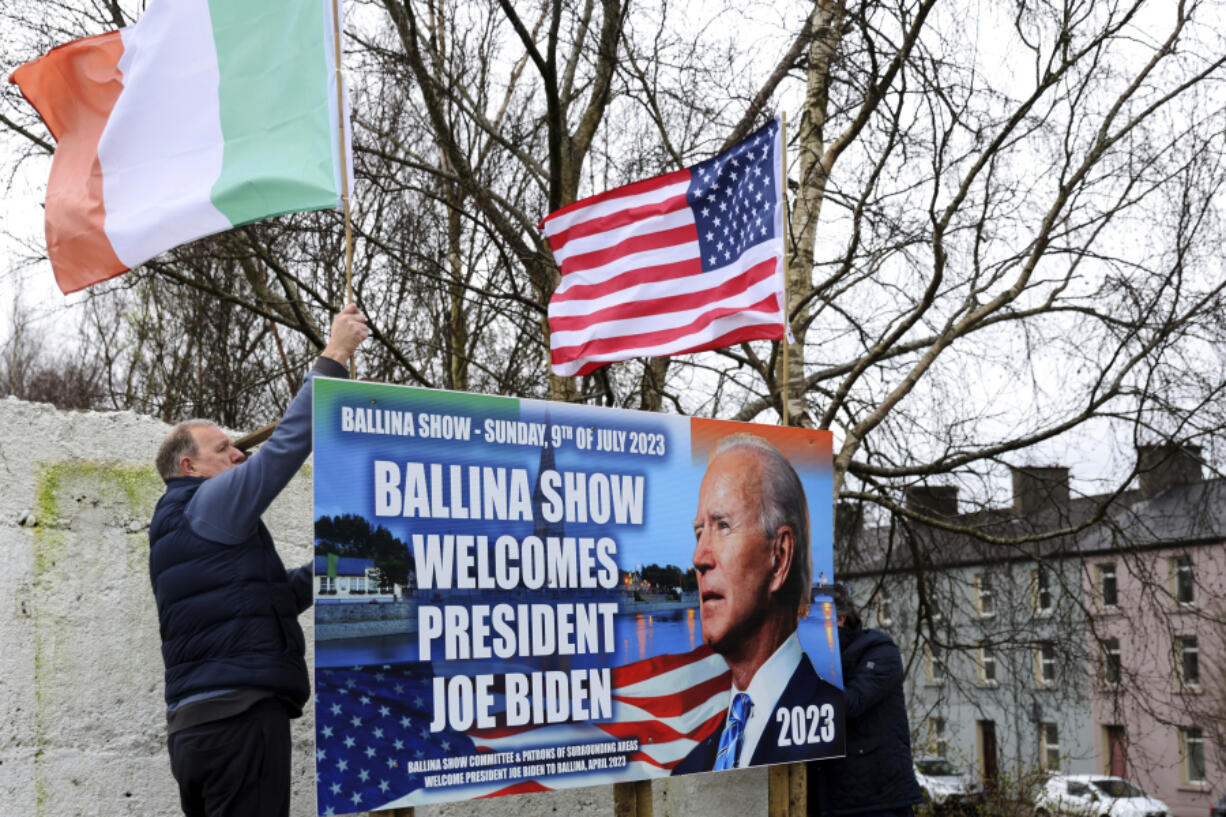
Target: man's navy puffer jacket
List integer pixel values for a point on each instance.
(228, 613)
(877, 773)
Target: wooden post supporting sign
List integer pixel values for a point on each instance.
(632, 799)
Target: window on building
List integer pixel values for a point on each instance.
(985, 602)
(934, 668)
(1192, 747)
(987, 664)
(1108, 596)
(1187, 659)
(885, 611)
(938, 737)
(375, 583)
(1112, 666)
(1042, 592)
(1045, 663)
(327, 585)
(930, 610)
(1183, 585)
(1049, 746)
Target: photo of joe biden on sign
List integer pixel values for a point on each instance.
(754, 566)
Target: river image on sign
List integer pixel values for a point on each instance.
(518, 596)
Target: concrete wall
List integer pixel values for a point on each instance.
(81, 674)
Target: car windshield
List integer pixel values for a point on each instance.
(937, 767)
(1118, 788)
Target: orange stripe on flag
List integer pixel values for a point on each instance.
(74, 88)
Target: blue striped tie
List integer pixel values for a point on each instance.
(734, 732)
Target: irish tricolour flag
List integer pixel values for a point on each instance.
(203, 115)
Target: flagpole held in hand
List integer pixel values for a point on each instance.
(344, 159)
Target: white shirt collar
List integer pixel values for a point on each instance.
(765, 688)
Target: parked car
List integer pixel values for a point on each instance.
(944, 785)
(1092, 795)
(1219, 808)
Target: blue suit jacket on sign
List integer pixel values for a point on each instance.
(806, 688)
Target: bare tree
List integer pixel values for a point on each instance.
(1001, 233)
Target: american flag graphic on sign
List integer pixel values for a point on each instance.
(373, 737)
(683, 262)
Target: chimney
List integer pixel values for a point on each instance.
(1039, 489)
(848, 522)
(1161, 466)
(938, 500)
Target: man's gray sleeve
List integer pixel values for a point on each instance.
(227, 507)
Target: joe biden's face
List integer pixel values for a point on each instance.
(732, 556)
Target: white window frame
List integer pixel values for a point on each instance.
(1185, 646)
(987, 661)
(1042, 585)
(938, 737)
(884, 608)
(934, 669)
(1049, 745)
(1110, 649)
(1045, 664)
(985, 599)
(1192, 743)
(1180, 565)
(1105, 570)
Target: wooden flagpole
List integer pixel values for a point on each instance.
(783, 194)
(249, 441)
(787, 783)
(340, 124)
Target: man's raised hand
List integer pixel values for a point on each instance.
(348, 332)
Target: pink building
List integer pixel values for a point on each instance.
(1155, 591)
(1102, 650)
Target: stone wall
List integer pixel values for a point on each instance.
(81, 674)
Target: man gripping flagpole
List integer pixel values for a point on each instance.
(684, 262)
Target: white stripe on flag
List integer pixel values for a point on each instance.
(579, 215)
(628, 327)
(161, 150)
(626, 263)
(684, 723)
(668, 683)
(699, 282)
(611, 238)
(713, 330)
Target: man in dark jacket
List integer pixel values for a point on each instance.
(876, 778)
(227, 608)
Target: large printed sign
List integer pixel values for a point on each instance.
(517, 596)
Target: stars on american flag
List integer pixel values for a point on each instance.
(370, 723)
(734, 199)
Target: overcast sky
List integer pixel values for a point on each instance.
(1095, 454)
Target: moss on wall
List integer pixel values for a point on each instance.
(128, 493)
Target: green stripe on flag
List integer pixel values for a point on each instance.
(275, 109)
(332, 560)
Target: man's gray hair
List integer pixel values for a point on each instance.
(782, 503)
(179, 443)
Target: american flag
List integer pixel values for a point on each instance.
(687, 261)
(372, 724)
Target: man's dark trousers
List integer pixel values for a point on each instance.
(235, 767)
